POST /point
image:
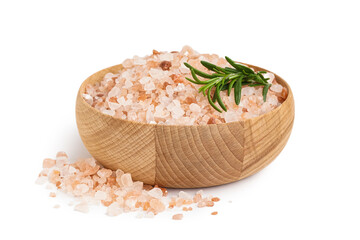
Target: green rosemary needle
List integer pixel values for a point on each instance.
(226, 79)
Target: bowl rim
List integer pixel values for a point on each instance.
(243, 122)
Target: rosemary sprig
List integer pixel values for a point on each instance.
(225, 79)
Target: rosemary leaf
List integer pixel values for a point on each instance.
(265, 91)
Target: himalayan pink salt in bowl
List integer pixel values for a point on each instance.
(143, 117)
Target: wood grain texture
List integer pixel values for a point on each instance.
(184, 156)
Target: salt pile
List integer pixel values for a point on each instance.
(90, 183)
(153, 89)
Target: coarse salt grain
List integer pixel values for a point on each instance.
(177, 216)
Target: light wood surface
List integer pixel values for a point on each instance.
(184, 156)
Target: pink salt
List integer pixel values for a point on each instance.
(92, 183)
(153, 89)
(48, 163)
(177, 216)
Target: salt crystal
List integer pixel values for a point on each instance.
(155, 193)
(184, 195)
(104, 173)
(149, 215)
(231, 117)
(88, 98)
(100, 195)
(82, 207)
(128, 84)
(195, 108)
(127, 63)
(127, 75)
(149, 114)
(48, 163)
(166, 57)
(108, 112)
(82, 188)
(269, 75)
(119, 173)
(169, 90)
(177, 216)
(126, 180)
(247, 91)
(149, 86)
(144, 80)
(272, 100)
(157, 205)
(276, 88)
(114, 209)
(114, 92)
(156, 73)
(113, 106)
(139, 61)
(130, 202)
(138, 186)
(41, 180)
(180, 87)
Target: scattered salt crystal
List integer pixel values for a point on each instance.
(157, 205)
(119, 173)
(82, 188)
(104, 173)
(82, 207)
(114, 189)
(130, 202)
(155, 193)
(126, 180)
(41, 180)
(48, 163)
(149, 215)
(114, 209)
(177, 216)
(101, 195)
(184, 195)
(61, 156)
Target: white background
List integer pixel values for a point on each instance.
(311, 191)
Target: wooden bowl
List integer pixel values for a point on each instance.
(178, 156)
